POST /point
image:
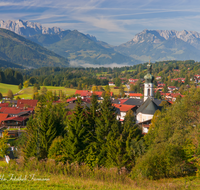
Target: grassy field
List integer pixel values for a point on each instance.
(129, 71)
(5, 87)
(27, 93)
(67, 91)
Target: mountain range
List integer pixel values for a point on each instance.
(18, 50)
(73, 45)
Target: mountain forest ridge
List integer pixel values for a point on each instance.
(159, 45)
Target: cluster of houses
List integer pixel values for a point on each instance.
(14, 118)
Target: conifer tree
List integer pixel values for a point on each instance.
(123, 144)
(47, 124)
(104, 123)
(77, 139)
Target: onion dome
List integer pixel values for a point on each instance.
(148, 77)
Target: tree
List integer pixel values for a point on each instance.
(118, 82)
(26, 84)
(47, 124)
(104, 122)
(170, 147)
(20, 86)
(10, 94)
(1, 96)
(94, 88)
(32, 80)
(76, 142)
(121, 90)
(158, 95)
(3, 144)
(165, 89)
(43, 90)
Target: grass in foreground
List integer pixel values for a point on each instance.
(45, 175)
(25, 180)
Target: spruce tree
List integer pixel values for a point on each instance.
(47, 124)
(77, 139)
(104, 123)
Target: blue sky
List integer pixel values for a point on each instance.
(112, 21)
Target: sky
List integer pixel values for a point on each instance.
(111, 21)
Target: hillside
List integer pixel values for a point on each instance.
(18, 50)
(162, 45)
(78, 46)
(7, 64)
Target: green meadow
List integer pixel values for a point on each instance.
(5, 87)
(27, 93)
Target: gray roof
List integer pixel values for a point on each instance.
(148, 107)
(133, 101)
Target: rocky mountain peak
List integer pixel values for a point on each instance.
(26, 28)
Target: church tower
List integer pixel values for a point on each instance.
(148, 85)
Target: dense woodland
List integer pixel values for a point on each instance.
(86, 77)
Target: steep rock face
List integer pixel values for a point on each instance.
(162, 45)
(158, 36)
(26, 28)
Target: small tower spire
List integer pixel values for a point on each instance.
(148, 86)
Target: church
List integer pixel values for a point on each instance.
(148, 105)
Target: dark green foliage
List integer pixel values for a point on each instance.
(47, 124)
(117, 82)
(16, 49)
(76, 141)
(169, 141)
(158, 95)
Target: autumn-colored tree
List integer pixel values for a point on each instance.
(26, 84)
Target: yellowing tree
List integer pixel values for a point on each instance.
(94, 88)
(26, 84)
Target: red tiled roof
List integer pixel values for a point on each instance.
(83, 92)
(71, 99)
(23, 103)
(123, 107)
(136, 94)
(4, 104)
(98, 93)
(13, 110)
(3, 116)
(15, 119)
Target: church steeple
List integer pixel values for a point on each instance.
(148, 85)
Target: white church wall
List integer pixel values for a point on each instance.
(143, 117)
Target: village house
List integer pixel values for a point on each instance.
(123, 110)
(172, 88)
(133, 80)
(158, 78)
(111, 83)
